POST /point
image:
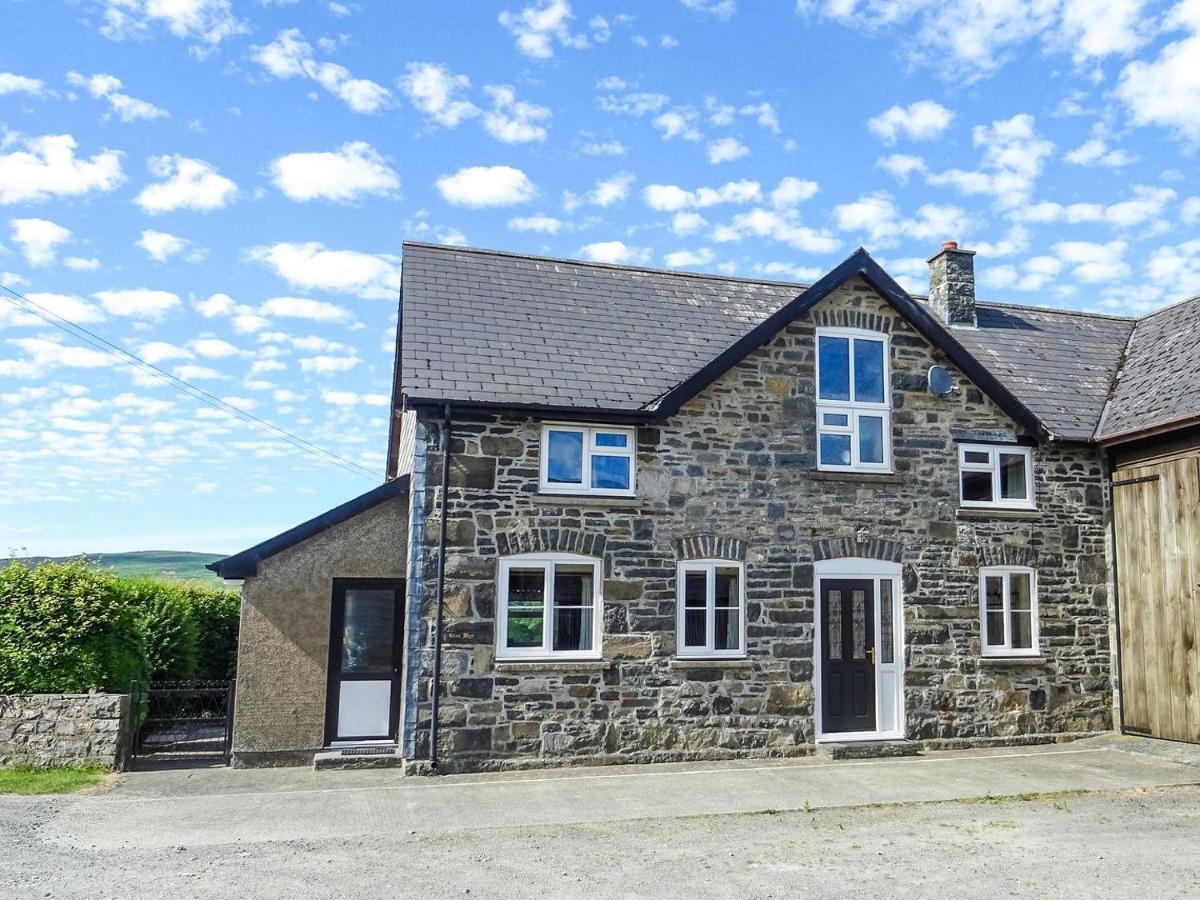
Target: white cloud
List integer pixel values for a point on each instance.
(901, 165)
(187, 184)
(436, 92)
(48, 167)
(636, 104)
(1095, 152)
(726, 149)
(539, 27)
(479, 186)
(303, 308)
(1166, 91)
(783, 226)
(38, 239)
(672, 198)
(1176, 268)
(678, 123)
(924, 120)
(615, 252)
(764, 114)
(683, 259)
(20, 84)
(1092, 30)
(207, 22)
(81, 264)
(604, 193)
(160, 245)
(1147, 204)
(340, 398)
(326, 365)
(138, 302)
(312, 265)
(67, 306)
(189, 372)
(215, 305)
(213, 348)
(47, 353)
(1189, 210)
(603, 148)
(719, 9)
(290, 56)
(540, 224)
(684, 223)
(792, 190)
(511, 120)
(1013, 157)
(1094, 263)
(108, 87)
(876, 216)
(790, 271)
(341, 176)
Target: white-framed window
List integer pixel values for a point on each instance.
(854, 410)
(1008, 610)
(549, 606)
(589, 459)
(711, 608)
(995, 475)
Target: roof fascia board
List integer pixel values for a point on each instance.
(576, 413)
(245, 564)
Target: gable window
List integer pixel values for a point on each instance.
(549, 607)
(1008, 610)
(711, 608)
(853, 408)
(1000, 476)
(579, 459)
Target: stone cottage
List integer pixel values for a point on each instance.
(639, 515)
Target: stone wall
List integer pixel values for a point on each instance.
(738, 465)
(64, 729)
(283, 646)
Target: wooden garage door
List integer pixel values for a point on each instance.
(1157, 526)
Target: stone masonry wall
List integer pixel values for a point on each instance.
(46, 730)
(736, 469)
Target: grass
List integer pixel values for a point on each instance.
(22, 779)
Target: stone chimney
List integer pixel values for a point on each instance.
(952, 285)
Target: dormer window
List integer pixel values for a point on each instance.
(854, 431)
(588, 459)
(995, 476)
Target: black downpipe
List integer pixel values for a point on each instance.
(441, 591)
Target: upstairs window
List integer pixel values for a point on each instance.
(1008, 611)
(584, 459)
(549, 607)
(853, 407)
(995, 476)
(711, 609)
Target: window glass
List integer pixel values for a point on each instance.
(565, 463)
(1021, 610)
(977, 486)
(858, 623)
(977, 457)
(695, 594)
(835, 420)
(368, 629)
(887, 646)
(526, 607)
(573, 608)
(834, 644)
(834, 365)
(993, 588)
(726, 600)
(1013, 483)
(870, 439)
(610, 472)
(868, 371)
(835, 449)
(611, 439)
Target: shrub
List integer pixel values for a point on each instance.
(164, 621)
(64, 628)
(216, 615)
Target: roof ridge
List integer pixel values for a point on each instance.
(1081, 313)
(680, 273)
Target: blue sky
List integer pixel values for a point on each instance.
(223, 186)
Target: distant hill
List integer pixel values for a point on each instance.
(180, 564)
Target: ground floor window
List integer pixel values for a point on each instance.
(549, 606)
(711, 608)
(1008, 611)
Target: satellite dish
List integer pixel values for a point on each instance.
(940, 382)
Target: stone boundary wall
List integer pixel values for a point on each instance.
(64, 729)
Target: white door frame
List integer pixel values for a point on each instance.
(889, 678)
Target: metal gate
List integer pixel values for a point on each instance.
(181, 721)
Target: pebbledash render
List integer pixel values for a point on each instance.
(695, 517)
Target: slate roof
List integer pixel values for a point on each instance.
(1160, 380)
(490, 327)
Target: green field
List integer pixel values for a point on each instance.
(180, 564)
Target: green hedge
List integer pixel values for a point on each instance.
(66, 627)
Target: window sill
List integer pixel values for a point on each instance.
(998, 512)
(1013, 660)
(518, 666)
(865, 477)
(711, 662)
(617, 501)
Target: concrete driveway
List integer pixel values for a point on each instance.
(838, 828)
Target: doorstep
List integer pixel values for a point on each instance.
(367, 756)
(869, 749)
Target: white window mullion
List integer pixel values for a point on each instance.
(548, 606)
(710, 609)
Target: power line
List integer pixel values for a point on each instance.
(197, 393)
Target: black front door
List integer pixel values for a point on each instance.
(847, 655)
(365, 645)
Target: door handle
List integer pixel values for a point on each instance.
(871, 651)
